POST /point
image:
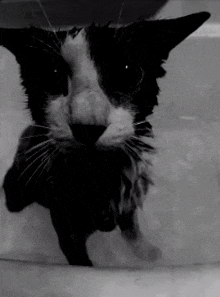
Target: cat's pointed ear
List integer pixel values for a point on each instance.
(15, 39)
(27, 42)
(18, 41)
(159, 37)
(170, 32)
(6, 37)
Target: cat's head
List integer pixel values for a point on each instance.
(94, 85)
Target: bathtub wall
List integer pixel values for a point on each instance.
(192, 84)
(176, 8)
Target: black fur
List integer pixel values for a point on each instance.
(82, 186)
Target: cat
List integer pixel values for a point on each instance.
(89, 92)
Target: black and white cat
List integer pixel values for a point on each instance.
(89, 93)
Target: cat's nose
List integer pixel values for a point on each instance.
(87, 134)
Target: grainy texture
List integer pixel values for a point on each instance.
(184, 224)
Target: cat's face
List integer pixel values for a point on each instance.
(98, 107)
(93, 86)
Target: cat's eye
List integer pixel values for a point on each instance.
(132, 76)
(56, 73)
(61, 69)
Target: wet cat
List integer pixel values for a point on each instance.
(89, 92)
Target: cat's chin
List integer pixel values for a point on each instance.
(71, 145)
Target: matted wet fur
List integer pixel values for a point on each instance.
(89, 91)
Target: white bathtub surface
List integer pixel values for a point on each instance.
(25, 280)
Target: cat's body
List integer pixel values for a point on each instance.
(89, 93)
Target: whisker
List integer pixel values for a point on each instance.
(123, 95)
(119, 18)
(140, 123)
(54, 153)
(48, 51)
(55, 150)
(53, 49)
(45, 14)
(38, 151)
(32, 136)
(40, 126)
(31, 164)
(45, 162)
(38, 145)
(67, 33)
(49, 46)
(38, 167)
(120, 13)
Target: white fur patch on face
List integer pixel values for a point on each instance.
(57, 116)
(120, 126)
(87, 103)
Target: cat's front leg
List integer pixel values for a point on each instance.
(16, 194)
(23, 183)
(72, 242)
(128, 223)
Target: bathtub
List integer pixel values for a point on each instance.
(181, 214)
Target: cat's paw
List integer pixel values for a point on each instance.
(154, 254)
(146, 251)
